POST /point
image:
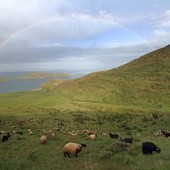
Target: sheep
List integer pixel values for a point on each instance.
(88, 132)
(166, 134)
(73, 133)
(30, 133)
(29, 130)
(157, 134)
(43, 139)
(20, 133)
(149, 147)
(114, 136)
(6, 137)
(126, 140)
(93, 136)
(72, 148)
(2, 132)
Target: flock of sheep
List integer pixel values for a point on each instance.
(75, 148)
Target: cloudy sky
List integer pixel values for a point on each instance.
(87, 35)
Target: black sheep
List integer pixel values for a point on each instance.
(166, 134)
(149, 147)
(6, 137)
(20, 133)
(126, 140)
(114, 136)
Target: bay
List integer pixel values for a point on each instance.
(15, 85)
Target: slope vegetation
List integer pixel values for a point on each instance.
(143, 82)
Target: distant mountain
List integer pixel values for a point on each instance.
(143, 82)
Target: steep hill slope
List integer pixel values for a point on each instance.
(143, 82)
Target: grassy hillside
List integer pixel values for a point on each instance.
(142, 83)
(139, 86)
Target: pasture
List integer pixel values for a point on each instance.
(26, 152)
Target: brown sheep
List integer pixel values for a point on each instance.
(43, 139)
(72, 148)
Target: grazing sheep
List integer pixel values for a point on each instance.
(149, 147)
(43, 139)
(20, 133)
(88, 132)
(126, 140)
(73, 133)
(72, 148)
(166, 134)
(93, 136)
(30, 133)
(2, 132)
(158, 133)
(114, 136)
(6, 137)
(29, 130)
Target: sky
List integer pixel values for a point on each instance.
(79, 35)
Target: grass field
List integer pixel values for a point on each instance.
(132, 100)
(26, 152)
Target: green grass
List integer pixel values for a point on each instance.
(132, 100)
(142, 84)
(25, 152)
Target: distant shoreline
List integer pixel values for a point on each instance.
(15, 82)
(42, 75)
(3, 79)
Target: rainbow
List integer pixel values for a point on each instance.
(21, 30)
(33, 24)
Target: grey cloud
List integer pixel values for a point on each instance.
(33, 54)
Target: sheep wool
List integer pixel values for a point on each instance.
(93, 136)
(72, 148)
(43, 139)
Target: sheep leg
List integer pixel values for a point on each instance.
(65, 154)
(68, 155)
(77, 151)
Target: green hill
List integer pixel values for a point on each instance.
(139, 86)
(143, 83)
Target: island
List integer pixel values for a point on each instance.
(2, 79)
(42, 75)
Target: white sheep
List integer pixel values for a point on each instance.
(29, 130)
(93, 136)
(30, 133)
(158, 133)
(43, 139)
(72, 148)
